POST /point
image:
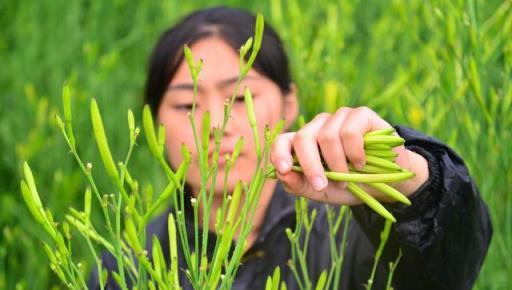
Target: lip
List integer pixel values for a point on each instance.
(222, 153)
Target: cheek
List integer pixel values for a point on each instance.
(176, 135)
(268, 111)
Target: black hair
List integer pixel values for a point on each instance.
(232, 25)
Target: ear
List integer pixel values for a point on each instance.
(290, 107)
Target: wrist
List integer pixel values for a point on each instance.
(419, 166)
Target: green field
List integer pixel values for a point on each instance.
(442, 67)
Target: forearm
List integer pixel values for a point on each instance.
(445, 234)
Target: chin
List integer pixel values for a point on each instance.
(230, 184)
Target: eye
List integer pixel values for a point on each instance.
(239, 99)
(184, 107)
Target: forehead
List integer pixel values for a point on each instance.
(220, 61)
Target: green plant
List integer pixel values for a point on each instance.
(127, 213)
(406, 60)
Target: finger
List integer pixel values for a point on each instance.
(335, 195)
(280, 154)
(306, 149)
(294, 182)
(356, 124)
(330, 144)
(403, 157)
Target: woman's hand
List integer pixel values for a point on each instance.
(337, 138)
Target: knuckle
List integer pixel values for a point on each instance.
(323, 115)
(310, 167)
(328, 137)
(342, 110)
(293, 185)
(282, 140)
(357, 158)
(276, 145)
(303, 188)
(339, 161)
(274, 152)
(365, 110)
(289, 187)
(300, 138)
(276, 142)
(348, 133)
(274, 157)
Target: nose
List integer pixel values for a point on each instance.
(217, 109)
(216, 114)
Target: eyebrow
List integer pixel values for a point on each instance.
(220, 84)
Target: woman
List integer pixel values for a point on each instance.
(443, 236)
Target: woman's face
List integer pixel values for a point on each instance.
(217, 80)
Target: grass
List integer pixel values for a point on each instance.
(442, 67)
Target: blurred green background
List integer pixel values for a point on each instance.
(442, 67)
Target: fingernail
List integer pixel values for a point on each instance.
(359, 165)
(319, 183)
(282, 166)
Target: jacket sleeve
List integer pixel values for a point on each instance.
(444, 235)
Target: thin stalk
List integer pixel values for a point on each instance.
(253, 195)
(207, 207)
(299, 253)
(383, 240)
(341, 250)
(195, 208)
(306, 240)
(78, 274)
(225, 202)
(392, 269)
(296, 275)
(97, 261)
(332, 243)
(182, 229)
(118, 234)
(118, 253)
(126, 160)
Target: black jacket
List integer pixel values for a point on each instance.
(444, 235)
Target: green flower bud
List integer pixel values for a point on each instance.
(101, 140)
